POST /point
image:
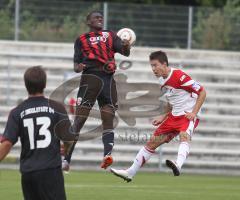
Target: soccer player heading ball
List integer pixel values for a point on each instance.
(185, 98)
(94, 57)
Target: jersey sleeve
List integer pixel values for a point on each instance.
(78, 55)
(188, 84)
(11, 131)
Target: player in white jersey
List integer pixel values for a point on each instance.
(185, 98)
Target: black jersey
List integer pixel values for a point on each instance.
(34, 122)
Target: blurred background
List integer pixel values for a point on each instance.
(201, 25)
(201, 37)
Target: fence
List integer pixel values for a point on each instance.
(155, 25)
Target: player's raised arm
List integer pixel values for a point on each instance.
(128, 38)
(121, 46)
(125, 48)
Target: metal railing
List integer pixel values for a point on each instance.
(155, 25)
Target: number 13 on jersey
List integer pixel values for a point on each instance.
(45, 123)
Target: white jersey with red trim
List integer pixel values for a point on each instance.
(181, 91)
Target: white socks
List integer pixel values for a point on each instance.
(143, 156)
(183, 152)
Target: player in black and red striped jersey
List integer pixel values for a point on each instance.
(94, 57)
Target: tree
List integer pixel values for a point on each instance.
(218, 29)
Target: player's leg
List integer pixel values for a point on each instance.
(163, 134)
(90, 87)
(82, 113)
(28, 188)
(107, 116)
(142, 157)
(107, 101)
(44, 185)
(183, 151)
(146, 152)
(56, 185)
(49, 184)
(184, 146)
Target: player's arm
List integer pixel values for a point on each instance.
(200, 99)
(125, 48)
(10, 135)
(67, 147)
(158, 120)
(78, 67)
(78, 57)
(121, 46)
(188, 84)
(5, 147)
(63, 129)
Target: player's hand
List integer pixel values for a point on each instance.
(125, 43)
(79, 67)
(189, 115)
(158, 120)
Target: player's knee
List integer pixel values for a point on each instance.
(155, 142)
(83, 109)
(151, 145)
(184, 137)
(108, 109)
(87, 104)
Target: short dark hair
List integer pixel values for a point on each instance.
(90, 14)
(160, 56)
(35, 79)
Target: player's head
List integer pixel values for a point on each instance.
(159, 63)
(35, 79)
(95, 20)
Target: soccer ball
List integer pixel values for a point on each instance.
(127, 34)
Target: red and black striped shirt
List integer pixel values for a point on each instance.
(96, 49)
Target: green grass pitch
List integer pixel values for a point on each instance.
(88, 185)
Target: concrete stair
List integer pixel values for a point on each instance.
(215, 146)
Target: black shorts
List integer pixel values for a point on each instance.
(44, 185)
(98, 86)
